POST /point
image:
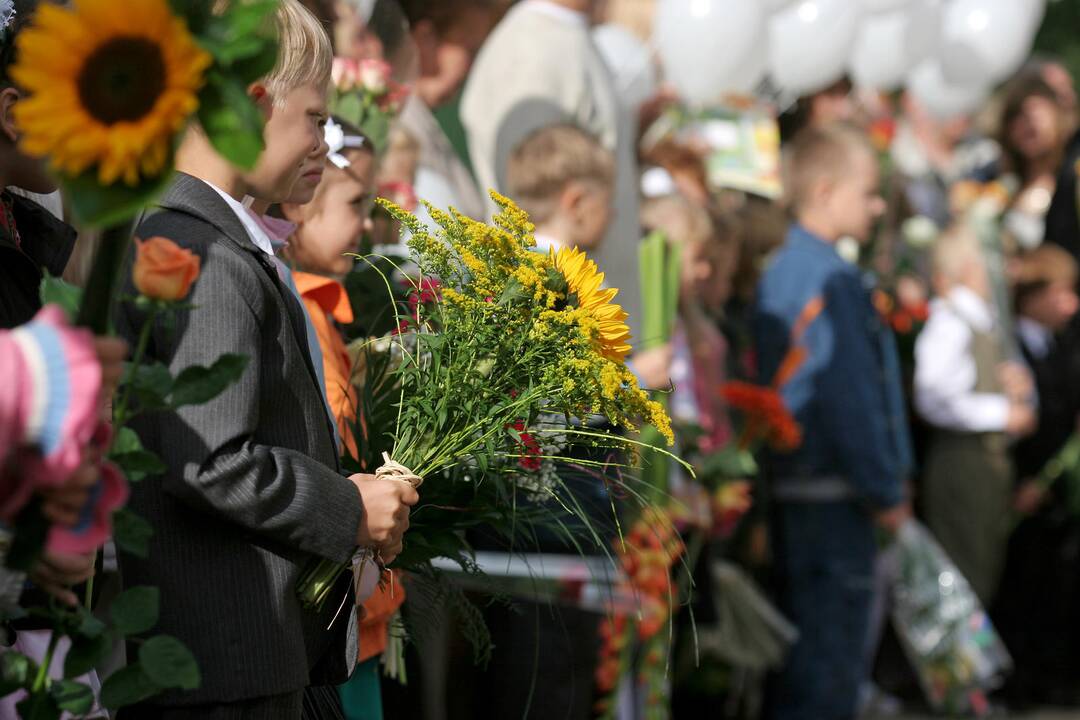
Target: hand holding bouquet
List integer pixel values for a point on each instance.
(515, 348)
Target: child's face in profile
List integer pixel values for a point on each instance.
(1054, 306)
(853, 202)
(592, 213)
(334, 222)
(294, 158)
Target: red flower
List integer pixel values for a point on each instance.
(529, 447)
(767, 416)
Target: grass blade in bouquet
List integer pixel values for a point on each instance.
(517, 348)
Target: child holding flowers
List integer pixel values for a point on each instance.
(253, 489)
(327, 230)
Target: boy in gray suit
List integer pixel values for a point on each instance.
(253, 489)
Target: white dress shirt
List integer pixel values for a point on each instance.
(945, 372)
(1036, 338)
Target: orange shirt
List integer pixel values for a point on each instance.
(326, 302)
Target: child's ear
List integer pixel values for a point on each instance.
(572, 199)
(261, 97)
(8, 98)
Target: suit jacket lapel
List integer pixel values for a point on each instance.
(190, 195)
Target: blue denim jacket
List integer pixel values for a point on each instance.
(847, 395)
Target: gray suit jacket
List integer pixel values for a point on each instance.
(253, 489)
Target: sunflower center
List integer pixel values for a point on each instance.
(122, 80)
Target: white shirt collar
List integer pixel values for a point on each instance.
(544, 243)
(255, 232)
(973, 308)
(1036, 338)
(558, 12)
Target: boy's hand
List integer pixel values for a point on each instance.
(1016, 382)
(55, 573)
(1021, 421)
(111, 353)
(1029, 496)
(653, 366)
(63, 504)
(892, 520)
(386, 513)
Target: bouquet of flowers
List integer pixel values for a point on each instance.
(943, 627)
(511, 350)
(365, 95)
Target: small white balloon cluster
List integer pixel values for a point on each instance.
(948, 53)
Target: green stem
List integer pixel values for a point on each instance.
(42, 680)
(98, 299)
(120, 410)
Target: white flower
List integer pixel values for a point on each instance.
(919, 231)
(374, 76)
(848, 249)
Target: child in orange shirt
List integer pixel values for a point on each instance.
(327, 228)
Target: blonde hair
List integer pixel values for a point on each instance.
(679, 219)
(816, 153)
(550, 158)
(305, 54)
(954, 252)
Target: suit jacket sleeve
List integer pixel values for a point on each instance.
(843, 376)
(216, 465)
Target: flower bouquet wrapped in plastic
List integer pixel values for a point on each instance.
(490, 373)
(943, 627)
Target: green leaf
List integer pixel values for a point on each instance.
(127, 686)
(72, 696)
(16, 671)
(348, 106)
(151, 384)
(41, 706)
(168, 663)
(97, 206)
(85, 654)
(126, 440)
(135, 610)
(132, 533)
(231, 120)
(89, 626)
(67, 296)
(197, 385)
(138, 464)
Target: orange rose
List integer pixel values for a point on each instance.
(163, 270)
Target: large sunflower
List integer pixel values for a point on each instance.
(585, 281)
(110, 84)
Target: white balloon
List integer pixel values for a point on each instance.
(924, 30)
(889, 44)
(883, 5)
(810, 43)
(631, 64)
(774, 5)
(704, 43)
(942, 99)
(985, 41)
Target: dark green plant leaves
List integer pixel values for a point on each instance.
(135, 610)
(41, 706)
(130, 456)
(16, 671)
(151, 384)
(85, 654)
(168, 663)
(132, 533)
(127, 686)
(231, 120)
(67, 296)
(96, 205)
(72, 696)
(198, 384)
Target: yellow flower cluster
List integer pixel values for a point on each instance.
(555, 325)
